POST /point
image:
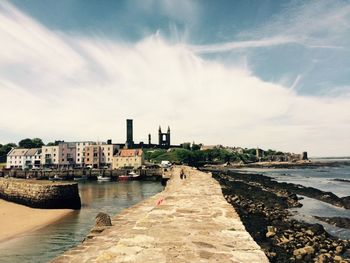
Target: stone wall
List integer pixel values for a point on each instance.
(40, 194)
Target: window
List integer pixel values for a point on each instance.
(109, 154)
(87, 159)
(54, 155)
(95, 154)
(78, 160)
(78, 154)
(62, 160)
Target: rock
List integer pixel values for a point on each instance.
(322, 258)
(271, 231)
(304, 251)
(309, 232)
(317, 229)
(338, 258)
(103, 219)
(339, 249)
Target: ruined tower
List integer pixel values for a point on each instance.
(164, 138)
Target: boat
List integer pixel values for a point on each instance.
(80, 178)
(129, 176)
(103, 178)
(56, 178)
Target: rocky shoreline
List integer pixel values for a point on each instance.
(263, 203)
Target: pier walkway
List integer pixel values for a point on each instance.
(190, 221)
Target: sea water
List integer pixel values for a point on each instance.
(322, 178)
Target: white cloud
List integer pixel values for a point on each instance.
(57, 86)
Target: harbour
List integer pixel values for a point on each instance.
(45, 243)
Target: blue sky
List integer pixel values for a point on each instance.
(320, 69)
(274, 74)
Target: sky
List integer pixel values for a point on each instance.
(268, 74)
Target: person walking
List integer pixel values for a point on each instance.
(182, 175)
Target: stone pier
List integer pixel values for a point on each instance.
(190, 221)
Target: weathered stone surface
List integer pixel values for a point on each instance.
(190, 221)
(40, 194)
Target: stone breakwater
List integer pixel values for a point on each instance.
(40, 194)
(190, 221)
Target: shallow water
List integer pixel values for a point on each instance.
(48, 242)
(321, 178)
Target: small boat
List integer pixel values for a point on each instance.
(80, 178)
(56, 178)
(129, 176)
(103, 178)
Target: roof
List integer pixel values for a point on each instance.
(17, 152)
(130, 152)
(32, 151)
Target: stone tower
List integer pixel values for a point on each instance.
(164, 138)
(129, 134)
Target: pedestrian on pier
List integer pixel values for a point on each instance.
(182, 174)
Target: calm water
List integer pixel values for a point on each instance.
(50, 241)
(321, 178)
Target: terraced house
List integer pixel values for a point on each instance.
(98, 156)
(61, 155)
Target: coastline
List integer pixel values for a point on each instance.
(279, 165)
(18, 219)
(263, 206)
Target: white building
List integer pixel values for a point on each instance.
(107, 152)
(16, 158)
(80, 152)
(32, 158)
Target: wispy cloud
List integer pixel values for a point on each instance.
(55, 85)
(223, 47)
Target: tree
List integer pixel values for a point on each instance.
(31, 143)
(196, 147)
(26, 143)
(38, 143)
(4, 150)
(186, 145)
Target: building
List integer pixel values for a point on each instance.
(93, 156)
(108, 151)
(80, 152)
(129, 134)
(61, 155)
(164, 138)
(128, 158)
(16, 158)
(50, 156)
(33, 158)
(100, 155)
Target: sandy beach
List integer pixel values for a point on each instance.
(17, 219)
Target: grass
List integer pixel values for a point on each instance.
(2, 165)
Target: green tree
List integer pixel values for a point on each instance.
(186, 145)
(4, 150)
(26, 143)
(37, 142)
(195, 147)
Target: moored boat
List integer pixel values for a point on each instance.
(103, 178)
(129, 176)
